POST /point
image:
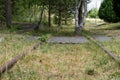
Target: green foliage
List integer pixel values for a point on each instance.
(93, 13)
(90, 71)
(2, 10)
(26, 9)
(103, 61)
(115, 76)
(107, 13)
(44, 38)
(55, 19)
(14, 28)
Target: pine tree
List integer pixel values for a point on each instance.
(116, 7)
(107, 13)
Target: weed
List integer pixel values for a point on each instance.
(90, 70)
(115, 76)
(43, 38)
(103, 61)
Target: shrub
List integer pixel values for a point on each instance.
(90, 70)
(93, 13)
(43, 38)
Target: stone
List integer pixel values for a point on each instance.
(102, 38)
(63, 40)
(32, 38)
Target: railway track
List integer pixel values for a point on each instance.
(8, 65)
(110, 53)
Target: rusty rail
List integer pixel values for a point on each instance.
(110, 53)
(11, 63)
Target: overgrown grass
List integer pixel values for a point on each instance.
(67, 61)
(66, 30)
(12, 44)
(112, 30)
(113, 45)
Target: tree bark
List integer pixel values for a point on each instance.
(84, 14)
(59, 15)
(41, 15)
(8, 13)
(80, 15)
(77, 16)
(49, 15)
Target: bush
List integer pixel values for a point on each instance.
(93, 13)
(107, 13)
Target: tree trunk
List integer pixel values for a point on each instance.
(41, 15)
(80, 15)
(59, 15)
(8, 13)
(77, 17)
(84, 14)
(49, 15)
